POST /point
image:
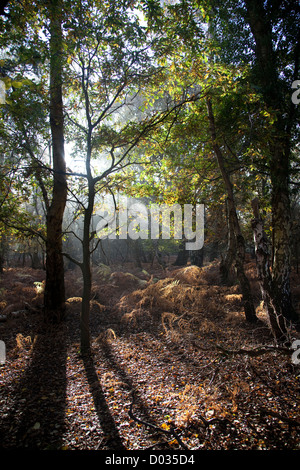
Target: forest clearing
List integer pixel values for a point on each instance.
(162, 356)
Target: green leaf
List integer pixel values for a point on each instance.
(17, 84)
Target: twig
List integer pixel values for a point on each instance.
(170, 432)
(290, 421)
(260, 350)
(256, 351)
(100, 443)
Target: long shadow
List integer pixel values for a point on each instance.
(36, 420)
(127, 380)
(107, 423)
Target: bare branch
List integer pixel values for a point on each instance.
(259, 351)
(75, 261)
(285, 419)
(172, 432)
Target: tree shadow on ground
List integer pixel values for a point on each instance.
(111, 435)
(36, 419)
(140, 406)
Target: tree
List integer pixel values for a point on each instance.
(109, 115)
(233, 222)
(23, 135)
(110, 63)
(32, 59)
(54, 296)
(192, 64)
(263, 38)
(269, 40)
(269, 68)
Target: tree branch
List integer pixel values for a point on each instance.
(75, 261)
(170, 432)
(285, 419)
(259, 351)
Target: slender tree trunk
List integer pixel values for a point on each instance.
(282, 237)
(233, 218)
(54, 297)
(136, 248)
(86, 260)
(227, 260)
(86, 294)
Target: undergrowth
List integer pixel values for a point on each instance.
(171, 338)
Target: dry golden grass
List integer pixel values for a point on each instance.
(186, 303)
(73, 304)
(181, 308)
(193, 275)
(184, 300)
(106, 336)
(24, 343)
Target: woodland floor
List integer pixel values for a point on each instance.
(161, 375)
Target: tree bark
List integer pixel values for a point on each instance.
(54, 297)
(248, 304)
(277, 321)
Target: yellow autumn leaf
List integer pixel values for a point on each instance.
(165, 426)
(173, 442)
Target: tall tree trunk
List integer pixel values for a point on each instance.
(279, 160)
(86, 258)
(54, 297)
(282, 241)
(248, 304)
(87, 287)
(136, 248)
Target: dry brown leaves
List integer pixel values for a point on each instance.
(157, 342)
